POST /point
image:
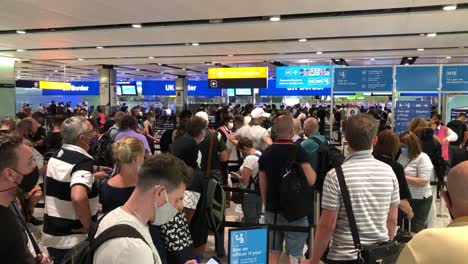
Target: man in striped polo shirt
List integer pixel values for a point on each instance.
(374, 193)
(71, 200)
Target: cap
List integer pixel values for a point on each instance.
(203, 115)
(258, 112)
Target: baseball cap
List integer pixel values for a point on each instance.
(203, 115)
(259, 112)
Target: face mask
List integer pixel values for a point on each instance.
(405, 151)
(165, 213)
(28, 182)
(231, 125)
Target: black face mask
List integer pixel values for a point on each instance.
(29, 180)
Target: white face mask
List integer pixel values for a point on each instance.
(231, 125)
(165, 213)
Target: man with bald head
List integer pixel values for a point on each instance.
(445, 245)
(311, 145)
(273, 164)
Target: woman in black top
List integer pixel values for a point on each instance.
(385, 150)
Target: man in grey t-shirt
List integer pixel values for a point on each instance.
(374, 193)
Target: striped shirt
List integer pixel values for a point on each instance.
(373, 188)
(69, 166)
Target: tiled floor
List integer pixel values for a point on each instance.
(232, 214)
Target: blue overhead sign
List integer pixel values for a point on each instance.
(317, 76)
(165, 88)
(77, 88)
(363, 79)
(200, 88)
(417, 78)
(406, 111)
(455, 78)
(272, 90)
(248, 245)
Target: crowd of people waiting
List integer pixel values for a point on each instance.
(107, 167)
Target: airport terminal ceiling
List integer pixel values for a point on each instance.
(147, 39)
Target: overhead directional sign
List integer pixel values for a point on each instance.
(272, 90)
(406, 111)
(417, 78)
(455, 78)
(200, 88)
(363, 79)
(317, 76)
(46, 85)
(247, 77)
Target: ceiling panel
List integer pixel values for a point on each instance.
(371, 25)
(27, 14)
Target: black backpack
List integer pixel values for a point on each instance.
(83, 253)
(328, 158)
(294, 190)
(103, 156)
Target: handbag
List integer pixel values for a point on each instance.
(381, 252)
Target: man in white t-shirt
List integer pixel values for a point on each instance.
(255, 132)
(157, 198)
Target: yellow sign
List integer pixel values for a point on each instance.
(238, 73)
(46, 85)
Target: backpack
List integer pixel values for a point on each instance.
(254, 183)
(215, 196)
(328, 158)
(83, 252)
(103, 154)
(294, 190)
(215, 203)
(459, 128)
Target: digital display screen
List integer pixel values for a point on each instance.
(129, 89)
(243, 91)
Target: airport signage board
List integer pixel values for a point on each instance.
(246, 77)
(248, 245)
(363, 79)
(406, 111)
(417, 78)
(47, 85)
(272, 90)
(200, 88)
(317, 76)
(164, 88)
(455, 78)
(76, 88)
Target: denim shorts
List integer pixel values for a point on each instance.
(294, 241)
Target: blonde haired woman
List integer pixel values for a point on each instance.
(129, 154)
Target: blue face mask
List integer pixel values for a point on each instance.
(405, 151)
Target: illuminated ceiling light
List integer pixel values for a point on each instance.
(406, 63)
(136, 25)
(230, 55)
(275, 18)
(137, 69)
(159, 64)
(372, 59)
(319, 53)
(302, 40)
(21, 31)
(410, 58)
(449, 7)
(56, 71)
(431, 35)
(151, 58)
(80, 59)
(20, 50)
(421, 49)
(99, 47)
(195, 44)
(183, 69)
(448, 57)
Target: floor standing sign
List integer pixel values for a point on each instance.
(248, 246)
(406, 111)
